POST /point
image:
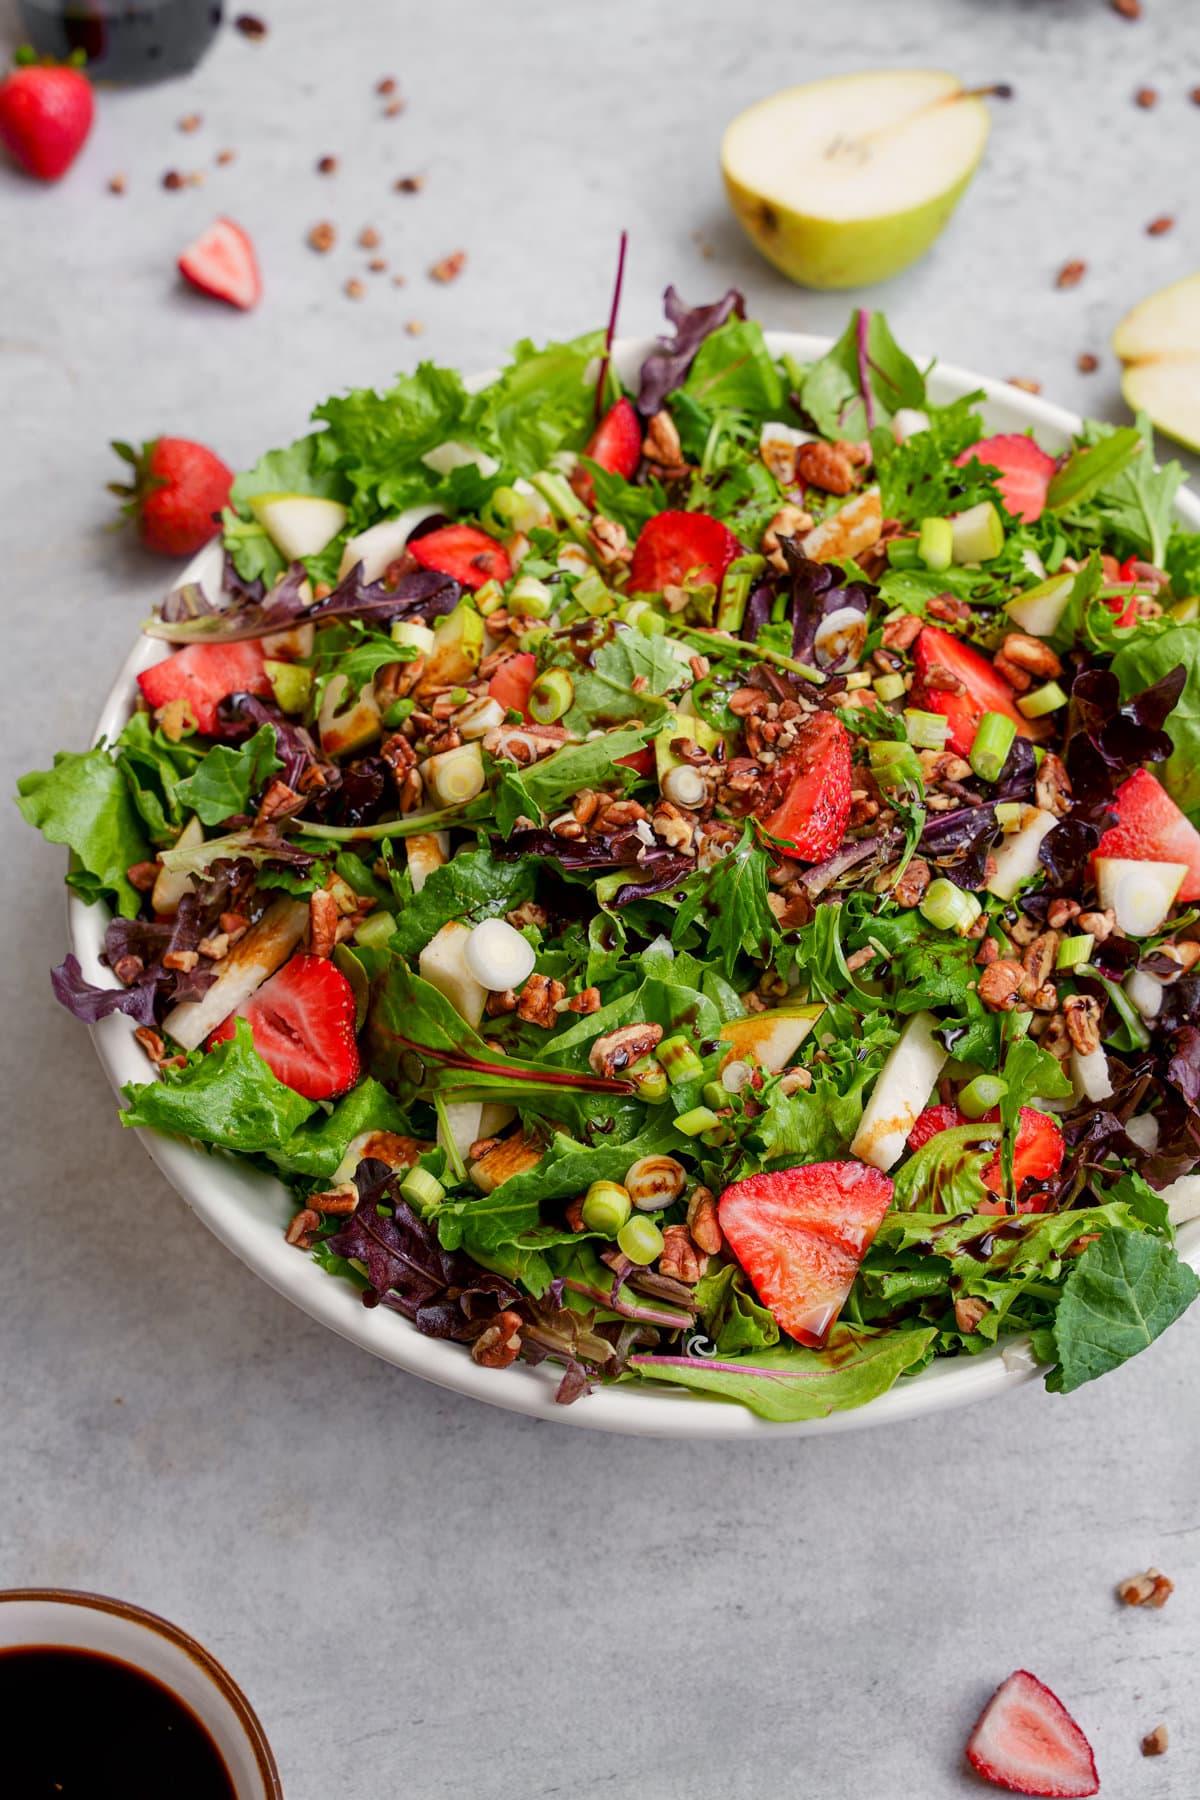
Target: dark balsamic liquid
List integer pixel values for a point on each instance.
(78, 1726)
(124, 40)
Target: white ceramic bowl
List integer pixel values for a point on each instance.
(59, 1618)
(249, 1211)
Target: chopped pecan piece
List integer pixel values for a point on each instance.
(1099, 925)
(586, 1002)
(303, 1224)
(1019, 679)
(610, 541)
(1052, 789)
(322, 923)
(128, 968)
(1082, 1013)
(675, 828)
(1061, 912)
(182, 960)
(661, 444)
(499, 1344)
(702, 1220)
(1151, 1588)
(681, 1259)
(612, 1053)
(902, 633)
(142, 876)
(969, 1309)
(279, 802)
(538, 1002)
(789, 521)
(822, 466)
(1039, 958)
(1000, 984)
(151, 1043)
(1155, 1742)
(1031, 654)
(910, 889)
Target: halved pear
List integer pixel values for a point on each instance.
(846, 181)
(1159, 343)
(769, 1038)
(298, 525)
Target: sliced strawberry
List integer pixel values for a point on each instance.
(1151, 828)
(203, 675)
(302, 1022)
(674, 545)
(800, 1235)
(1025, 471)
(512, 681)
(464, 552)
(1037, 1153)
(616, 444)
(1025, 1740)
(814, 812)
(979, 690)
(641, 761)
(221, 262)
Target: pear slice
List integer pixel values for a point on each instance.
(846, 181)
(298, 525)
(1159, 343)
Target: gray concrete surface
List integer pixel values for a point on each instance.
(421, 1595)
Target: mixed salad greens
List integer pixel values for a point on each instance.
(694, 885)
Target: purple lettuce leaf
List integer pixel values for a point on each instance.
(666, 367)
(959, 843)
(817, 590)
(90, 1004)
(187, 616)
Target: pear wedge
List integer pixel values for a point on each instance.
(1159, 343)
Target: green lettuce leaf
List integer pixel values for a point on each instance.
(378, 440)
(1146, 659)
(729, 902)
(1122, 1293)
(790, 1383)
(730, 1314)
(734, 371)
(228, 1097)
(475, 885)
(541, 403)
(84, 802)
(319, 1145)
(545, 787)
(224, 781)
(832, 391)
(153, 767)
(604, 685)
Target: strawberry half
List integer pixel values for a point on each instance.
(616, 444)
(814, 812)
(1025, 471)
(203, 675)
(1037, 1153)
(979, 689)
(1025, 1740)
(1151, 828)
(464, 552)
(46, 112)
(674, 545)
(176, 495)
(221, 262)
(800, 1235)
(512, 681)
(302, 1022)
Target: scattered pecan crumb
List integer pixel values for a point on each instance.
(500, 1343)
(142, 876)
(409, 184)
(1128, 9)
(303, 1224)
(1151, 1588)
(322, 237)
(1086, 363)
(172, 180)
(1025, 383)
(225, 157)
(377, 265)
(1160, 226)
(191, 122)
(414, 327)
(393, 109)
(573, 1213)
(1071, 273)
(117, 184)
(195, 178)
(1146, 97)
(1194, 96)
(449, 268)
(368, 238)
(327, 165)
(250, 25)
(969, 1309)
(182, 960)
(387, 85)
(151, 1043)
(1155, 1742)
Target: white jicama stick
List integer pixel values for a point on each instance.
(443, 964)
(901, 1092)
(265, 948)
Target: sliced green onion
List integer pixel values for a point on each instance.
(651, 1078)
(904, 554)
(935, 545)
(454, 776)
(679, 1060)
(606, 1207)
(734, 1077)
(926, 730)
(489, 598)
(859, 678)
(1043, 700)
(520, 511)
(981, 1095)
(1008, 814)
(550, 696)
(651, 623)
(1074, 950)
(993, 741)
(560, 497)
(530, 597)
(594, 597)
(630, 611)
(713, 1094)
(889, 687)
(894, 766)
(375, 930)
(739, 578)
(422, 1190)
(640, 1240)
(699, 1119)
(948, 907)
(398, 711)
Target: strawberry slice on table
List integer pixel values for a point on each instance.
(1151, 828)
(204, 675)
(463, 552)
(974, 687)
(1025, 1740)
(1037, 1153)
(221, 262)
(814, 812)
(512, 681)
(800, 1234)
(674, 545)
(176, 495)
(616, 444)
(46, 112)
(1025, 471)
(302, 1022)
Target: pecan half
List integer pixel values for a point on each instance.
(1000, 984)
(1151, 1588)
(681, 1259)
(702, 1220)
(616, 1050)
(821, 466)
(499, 1344)
(1029, 653)
(1082, 1013)
(538, 1002)
(1052, 789)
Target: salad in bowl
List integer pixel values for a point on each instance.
(690, 883)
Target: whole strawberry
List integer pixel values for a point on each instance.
(45, 115)
(176, 495)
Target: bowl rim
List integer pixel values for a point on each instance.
(234, 1200)
(206, 1662)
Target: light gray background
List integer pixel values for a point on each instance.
(421, 1595)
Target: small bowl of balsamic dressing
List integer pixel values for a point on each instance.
(102, 1698)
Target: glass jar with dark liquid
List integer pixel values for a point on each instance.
(124, 40)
